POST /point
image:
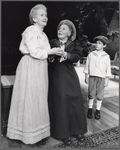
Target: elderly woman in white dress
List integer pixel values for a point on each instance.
(29, 118)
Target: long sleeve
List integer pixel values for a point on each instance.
(76, 54)
(86, 66)
(35, 44)
(52, 57)
(108, 74)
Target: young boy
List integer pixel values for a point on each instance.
(97, 72)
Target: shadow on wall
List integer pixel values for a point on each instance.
(113, 47)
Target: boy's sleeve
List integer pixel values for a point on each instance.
(108, 74)
(86, 66)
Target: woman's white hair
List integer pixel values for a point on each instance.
(32, 13)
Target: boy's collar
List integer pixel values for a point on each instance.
(102, 52)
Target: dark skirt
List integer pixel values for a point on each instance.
(66, 106)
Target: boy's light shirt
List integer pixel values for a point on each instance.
(98, 64)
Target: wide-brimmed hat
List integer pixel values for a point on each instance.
(71, 26)
(102, 38)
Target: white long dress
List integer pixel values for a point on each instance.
(29, 118)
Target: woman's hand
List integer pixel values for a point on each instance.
(62, 54)
(54, 51)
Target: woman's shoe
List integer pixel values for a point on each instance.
(67, 141)
(80, 137)
(41, 143)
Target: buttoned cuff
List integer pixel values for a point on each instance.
(68, 56)
(65, 57)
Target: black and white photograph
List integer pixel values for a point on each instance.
(60, 74)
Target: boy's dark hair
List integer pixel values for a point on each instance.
(102, 38)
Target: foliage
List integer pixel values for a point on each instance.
(113, 34)
(99, 10)
(83, 11)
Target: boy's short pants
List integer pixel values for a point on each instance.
(96, 88)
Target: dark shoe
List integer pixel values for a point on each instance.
(41, 143)
(67, 141)
(97, 114)
(80, 137)
(89, 113)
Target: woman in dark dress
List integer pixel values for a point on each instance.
(67, 114)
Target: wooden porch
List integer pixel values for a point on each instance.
(109, 109)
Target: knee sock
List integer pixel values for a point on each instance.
(98, 104)
(90, 104)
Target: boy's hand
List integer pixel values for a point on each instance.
(106, 82)
(86, 79)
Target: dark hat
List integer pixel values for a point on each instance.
(71, 26)
(102, 38)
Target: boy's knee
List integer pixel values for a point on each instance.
(90, 97)
(99, 99)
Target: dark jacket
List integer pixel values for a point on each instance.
(73, 49)
(66, 109)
